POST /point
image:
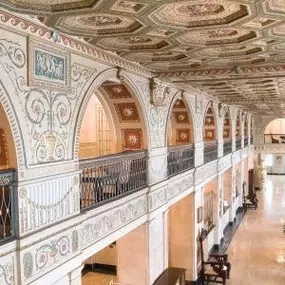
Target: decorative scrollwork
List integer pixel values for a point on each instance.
(8, 273)
(13, 51)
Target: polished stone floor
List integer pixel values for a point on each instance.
(257, 251)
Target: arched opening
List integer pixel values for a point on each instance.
(180, 138)
(238, 132)
(112, 142)
(209, 135)
(275, 131)
(227, 133)
(8, 166)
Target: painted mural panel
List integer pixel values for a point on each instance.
(48, 66)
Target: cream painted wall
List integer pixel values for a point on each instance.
(133, 257)
(108, 256)
(182, 235)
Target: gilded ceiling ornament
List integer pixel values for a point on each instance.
(99, 20)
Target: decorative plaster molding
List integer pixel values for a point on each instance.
(7, 276)
(202, 173)
(224, 163)
(30, 27)
(106, 223)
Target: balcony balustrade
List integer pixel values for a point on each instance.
(179, 159)
(110, 177)
(7, 213)
(238, 143)
(227, 146)
(210, 151)
(245, 141)
(274, 138)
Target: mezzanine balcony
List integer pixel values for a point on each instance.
(7, 213)
(210, 151)
(110, 177)
(227, 146)
(238, 143)
(179, 159)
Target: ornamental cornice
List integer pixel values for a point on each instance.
(27, 26)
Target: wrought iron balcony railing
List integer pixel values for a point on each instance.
(179, 159)
(7, 213)
(238, 143)
(274, 138)
(210, 151)
(227, 146)
(107, 178)
(245, 141)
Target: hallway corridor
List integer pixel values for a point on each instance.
(257, 251)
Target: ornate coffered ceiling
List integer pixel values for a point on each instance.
(232, 49)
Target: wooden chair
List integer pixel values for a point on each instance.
(250, 201)
(215, 267)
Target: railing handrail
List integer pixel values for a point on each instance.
(94, 161)
(180, 147)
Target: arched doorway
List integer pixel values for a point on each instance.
(180, 138)
(210, 135)
(112, 143)
(275, 131)
(8, 166)
(227, 134)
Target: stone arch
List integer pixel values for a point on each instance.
(210, 131)
(13, 121)
(273, 130)
(180, 122)
(102, 84)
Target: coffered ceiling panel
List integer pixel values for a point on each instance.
(232, 49)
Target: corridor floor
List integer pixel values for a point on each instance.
(257, 251)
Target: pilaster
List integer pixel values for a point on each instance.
(157, 165)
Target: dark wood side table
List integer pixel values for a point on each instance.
(171, 276)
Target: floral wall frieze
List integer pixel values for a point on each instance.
(7, 273)
(224, 163)
(106, 223)
(43, 257)
(203, 173)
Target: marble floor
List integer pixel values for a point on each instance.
(257, 251)
(92, 278)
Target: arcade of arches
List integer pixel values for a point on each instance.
(130, 153)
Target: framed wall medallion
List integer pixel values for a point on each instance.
(48, 66)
